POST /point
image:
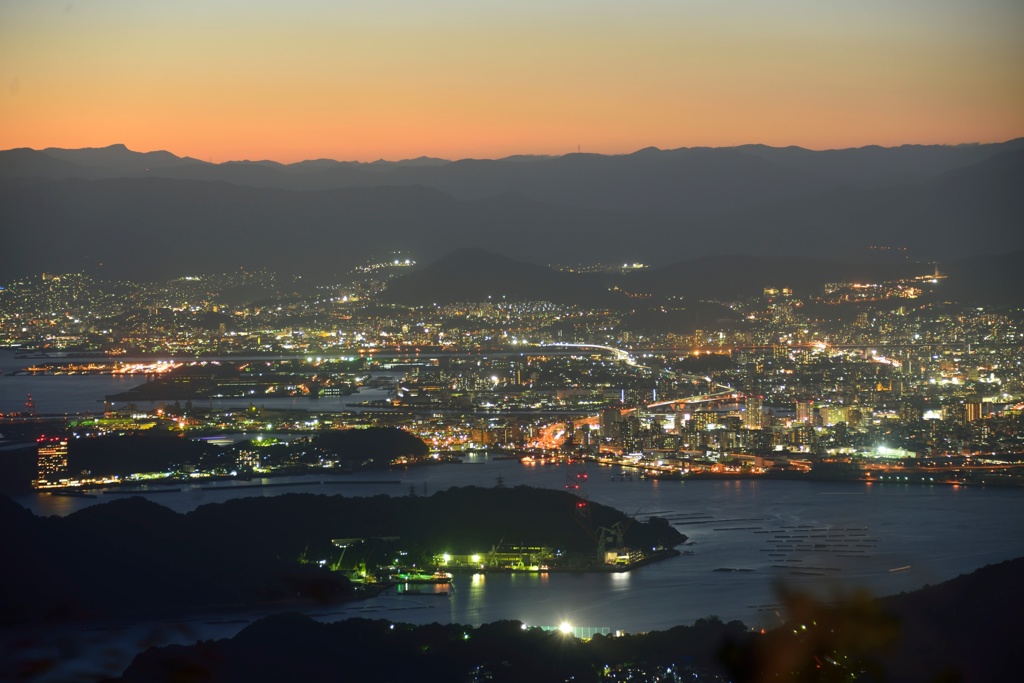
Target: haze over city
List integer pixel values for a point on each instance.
(550, 341)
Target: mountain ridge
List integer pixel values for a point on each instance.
(651, 206)
(869, 159)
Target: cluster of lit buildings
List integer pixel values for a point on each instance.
(755, 411)
(855, 368)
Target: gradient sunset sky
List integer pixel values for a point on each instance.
(393, 79)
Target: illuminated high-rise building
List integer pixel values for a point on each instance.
(834, 414)
(247, 459)
(804, 411)
(703, 419)
(972, 411)
(52, 457)
(752, 414)
(854, 416)
(610, 417)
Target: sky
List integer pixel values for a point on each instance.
(303, 79)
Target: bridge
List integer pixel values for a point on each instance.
(619, 354)
(552, 435)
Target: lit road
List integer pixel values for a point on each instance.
(553, 435)
(619, 354)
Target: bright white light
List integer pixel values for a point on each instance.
(565, 627)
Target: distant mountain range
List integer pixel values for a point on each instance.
(665, 176)
(151, 215)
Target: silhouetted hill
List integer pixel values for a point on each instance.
(729, 276)
(680, 180)
(671, 295)
(652, 206)
(681, 317)
(970, 212)
(133, 556)
(984, 200)
(677, 177)
(289, 524)
(873, 165)
(960, 630)
(968, 624)
(478, 275)
(989, 279)
(19, 466)
(28, 163)
(475, 275)
(994, 279)
(153, 228)
(117, 161)
(368, 447)
(293, 647)
(127, 454)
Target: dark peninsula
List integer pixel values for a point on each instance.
(135, 557)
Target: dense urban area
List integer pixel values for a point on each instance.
(865, 380)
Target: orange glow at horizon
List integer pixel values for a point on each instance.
(246, 81)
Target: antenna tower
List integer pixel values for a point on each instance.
(575, 483)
